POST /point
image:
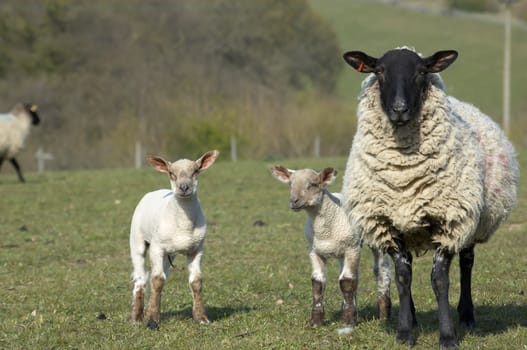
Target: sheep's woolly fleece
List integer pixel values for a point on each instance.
(448, 178)
(14, 128)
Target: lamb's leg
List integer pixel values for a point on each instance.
(157, 281)
(318, 284)
(402, 260)
(465, 307)
(348, 282)
(381, 269)
(18, 170)
(139, 277)
(194, 268)
(440, 285)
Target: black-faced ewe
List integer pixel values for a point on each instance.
(166, 223)
(14, 129)
(425, 171)
(328, 232)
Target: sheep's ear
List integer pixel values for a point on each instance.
(206, 160)
(327, 176)
(361, 61)
(281, 173)
(159, 164)
(440, 61)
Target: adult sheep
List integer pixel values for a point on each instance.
(14, 128)
(425, 171)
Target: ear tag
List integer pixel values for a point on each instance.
(361, 66)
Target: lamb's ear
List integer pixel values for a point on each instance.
(440, 61)
(159, 164)
(281, 173)
(360, 61)
(206, 160)
(327, 176)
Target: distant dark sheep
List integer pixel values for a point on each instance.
(14, 129)
(426, 171)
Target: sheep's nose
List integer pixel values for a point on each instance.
(400, 107)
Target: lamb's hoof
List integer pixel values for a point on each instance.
(384, 307)
(315, 323)
(202, 320)
(448, 343)
(349, 315)
(153, 325)
(317, 319)
(405, 337)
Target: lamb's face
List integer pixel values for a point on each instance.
(306, 185)
(403, 78)
(183, 176)
(306, 189)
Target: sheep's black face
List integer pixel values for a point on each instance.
(32, 110)
(403, 78)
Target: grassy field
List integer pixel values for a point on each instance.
(64, 261)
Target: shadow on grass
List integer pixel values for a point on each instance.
(490, 319)
(213, 312)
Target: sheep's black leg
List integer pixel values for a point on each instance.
(17, 168)
(2, 158)
(402, 260)
(465, 307)
(440, 285)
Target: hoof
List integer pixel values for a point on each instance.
(448, 343)
(203, 320)
(153, 325)
(384, 307)
(317, 318)
(405, 337)
(467, 320)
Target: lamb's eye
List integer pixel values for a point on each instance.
(312, 185)
(172, 175)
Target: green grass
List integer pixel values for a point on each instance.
(64, 260)
(476, 76)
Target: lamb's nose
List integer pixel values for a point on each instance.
(294, 203)
(184, 187)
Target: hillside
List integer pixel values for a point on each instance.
(475, 77)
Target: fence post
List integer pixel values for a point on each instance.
(234, 149)
(138, 155)
(316, 150)
(41, 159)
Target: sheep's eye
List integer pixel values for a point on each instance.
(312, 185)
(172, 175)
(379, 70)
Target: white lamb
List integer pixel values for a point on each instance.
(329, 234)
(14, 129)
(425, 171)
(169, 222)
